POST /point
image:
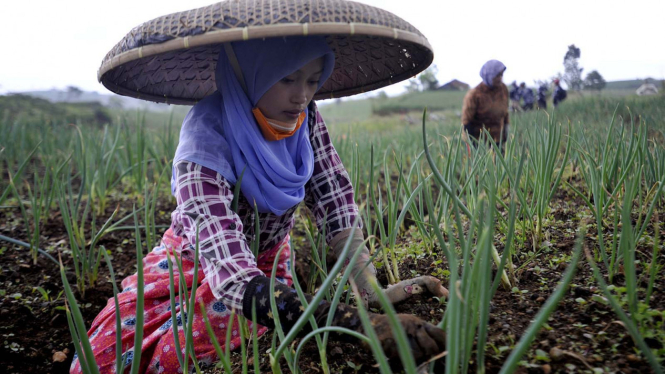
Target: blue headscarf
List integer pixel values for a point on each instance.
(220, 132)
(491, 69)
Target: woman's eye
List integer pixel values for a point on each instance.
(287, 80)
(314, 82)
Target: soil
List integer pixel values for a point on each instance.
(580, 334)
(34, 329)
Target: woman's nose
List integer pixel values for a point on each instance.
(299, 95)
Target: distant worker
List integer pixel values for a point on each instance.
(515, 97)
(559, 94)
(542, 97)
(647, 89)
(486, 105)
(527, 96)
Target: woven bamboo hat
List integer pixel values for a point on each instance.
(172, 59)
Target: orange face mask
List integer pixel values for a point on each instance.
(276, 130)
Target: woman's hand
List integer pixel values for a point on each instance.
(405, 289)
(425, 339)
(364, 273)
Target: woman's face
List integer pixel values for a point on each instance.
(286, 99)
(497, 80)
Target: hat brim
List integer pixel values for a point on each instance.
(178, 68)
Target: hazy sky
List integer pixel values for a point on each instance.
(51, 44)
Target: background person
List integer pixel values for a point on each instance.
(527, 96)
(515, 97)
(486, 105)
(558, 94)
(542, 97)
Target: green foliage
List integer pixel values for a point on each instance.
(428, 79)
(425, 81)
(18, 107)
(572, 72)
(592, 115)
(631, 85)
(462, 202)
(594, 81)
(346, 112)
(432, 100)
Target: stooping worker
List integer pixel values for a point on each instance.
(515, 97)
(485, 106)
(527, 95)
(259, 122)
(542, 97)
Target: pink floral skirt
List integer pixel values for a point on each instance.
(158, 348)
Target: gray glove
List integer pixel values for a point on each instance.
(364, 270)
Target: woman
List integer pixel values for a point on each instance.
(486, 106)
(261, 123)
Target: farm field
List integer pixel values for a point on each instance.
(578, 197)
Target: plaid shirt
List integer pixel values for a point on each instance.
(205, 197)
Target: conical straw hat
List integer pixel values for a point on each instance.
(172, 59)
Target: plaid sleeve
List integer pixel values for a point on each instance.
(204, 197)
(329, 193)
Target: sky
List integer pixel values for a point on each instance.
(54, 44)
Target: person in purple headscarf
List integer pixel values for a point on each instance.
(486, 105)
(261, 130)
